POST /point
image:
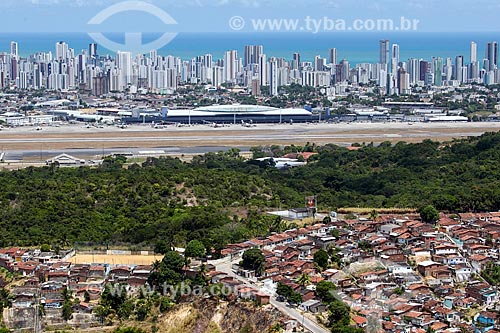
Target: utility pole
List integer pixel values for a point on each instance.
(303, 320)
(38, 321)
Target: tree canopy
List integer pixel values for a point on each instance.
(321, 259)
(167, 202)
(168, 271)
(195, 249)
(429, 214)
(253, 259)
(326, 291)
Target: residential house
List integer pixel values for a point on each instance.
(62, 277)
(445, 249)
(464, 303)
(373, 276)
(359, 321)
(97, 272)
(481, 291)
(313, 306)
(462, 272)
(419, 289)
(425, 268)
(487, 318)
(479, 262)
(262, 298)
(83, 307)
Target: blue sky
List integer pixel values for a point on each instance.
(213, 15)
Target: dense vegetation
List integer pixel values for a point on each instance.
(491, 273)
(254, 260)
(5, 300)
(217, 198)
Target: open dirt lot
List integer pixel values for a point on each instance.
(114, 259)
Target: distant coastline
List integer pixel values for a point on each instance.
(355, 47)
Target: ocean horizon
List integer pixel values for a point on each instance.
(356, 47)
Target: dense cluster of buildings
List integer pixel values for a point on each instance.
(66, 69)
(46, 275)
(129, 88)
(408, 276)
(397, 273)
(398, 77)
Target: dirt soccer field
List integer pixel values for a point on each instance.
(114, 259)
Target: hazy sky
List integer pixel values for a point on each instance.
(213, 15)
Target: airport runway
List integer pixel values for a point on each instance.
(43, 155)
(28, 143)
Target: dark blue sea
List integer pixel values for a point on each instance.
(355, 47)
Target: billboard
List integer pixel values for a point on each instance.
(311, 202)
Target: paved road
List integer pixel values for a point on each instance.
(287, 137)
(44, 154)
(297, 315)
(309, 324)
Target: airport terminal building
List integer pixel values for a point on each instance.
(235, 114)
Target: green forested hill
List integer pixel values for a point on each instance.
(177, 202)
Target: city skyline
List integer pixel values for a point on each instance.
(358, 47)
(66, 69)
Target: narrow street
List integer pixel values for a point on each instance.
(309, 324)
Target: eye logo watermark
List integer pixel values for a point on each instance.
(133, 40)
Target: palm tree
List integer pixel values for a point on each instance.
(66, 294)
(5, 299)
(156, 265)
(304, 279)
(276, 224)
(373, 215)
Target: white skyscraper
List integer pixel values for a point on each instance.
(207, 67)
(263, 70)
(230, 65)
(332, 56)
(438, 71)
(14, 50)
(448, 69)
(153, 55)
(382, 77)
(394, 58)
(459, 64)
(217, 76)
(384, 52)
(273, 77)
(414, 70)
(492, 55)
(465, 73)
(93, 50)
(252, 54)
(473, 52)
(404, 82)
(61, 51)
(124, 62)
(296, 61)
(319, 63)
